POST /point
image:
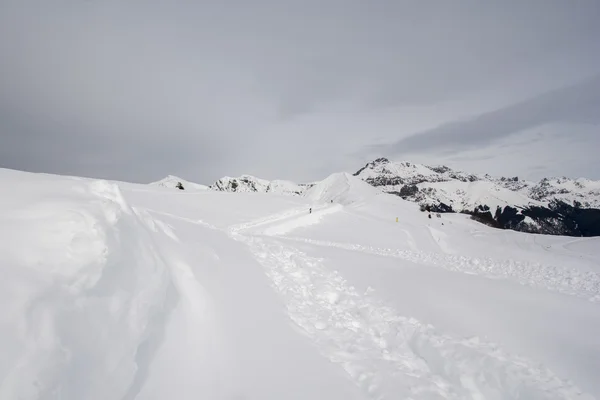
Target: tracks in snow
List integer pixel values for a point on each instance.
(280, 223)
(387, 355)
(569, 281)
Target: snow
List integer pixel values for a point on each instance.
(113, 290)
(252, 184)
(284, 187)
(468, 195)
(243, 184)
(465, 191)
(585, 191)
(172, 181)
(341, 188)
(403, 169)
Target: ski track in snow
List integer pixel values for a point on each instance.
(315, 216)
(387, 355)
(151, 220)
(564, 280)
(569, 281)
(94, 331)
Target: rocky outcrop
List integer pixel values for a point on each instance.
(557, 206)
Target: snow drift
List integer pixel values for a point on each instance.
(84, 291)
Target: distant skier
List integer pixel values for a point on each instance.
(310, 210)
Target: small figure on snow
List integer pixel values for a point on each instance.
(310, 210)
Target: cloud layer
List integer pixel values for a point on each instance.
(140, 89)
(576, 104)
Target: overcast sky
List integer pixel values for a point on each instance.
(138, 89)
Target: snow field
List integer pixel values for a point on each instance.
(117, 291)
(390, 355)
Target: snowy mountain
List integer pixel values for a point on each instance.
(341, 188)
(115, 291)
(559, 206)
(173, 182)
(464, 191)
(251, 184)
(583, 191)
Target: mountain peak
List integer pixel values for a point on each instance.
(463, 191)
(251, 184)
(381, 160)
(172, 181)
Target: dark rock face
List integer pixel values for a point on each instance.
(385, 181)
(408, 191)
(564, 219)
(442, 208)
(463, 178)
(414, 183)
(559, 218)
(372, 164)
(442, 169)
(485, 218)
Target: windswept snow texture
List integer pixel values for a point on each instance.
(122, 291)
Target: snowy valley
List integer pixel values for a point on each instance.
(113, 290)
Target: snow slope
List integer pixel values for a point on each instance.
(341, 188)
(120, 291)
(582, 190)
(171, 181)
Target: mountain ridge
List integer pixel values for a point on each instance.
(554, 205)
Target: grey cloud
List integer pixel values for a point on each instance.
(138, 89)
(578, 103)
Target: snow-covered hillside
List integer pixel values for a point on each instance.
(552, 206)
(251, 184)
(584, 191)
(173, 182)
(121, 291)
(464, 191)
(341, 188)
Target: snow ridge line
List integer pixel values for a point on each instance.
(391, 356)
(92, 331)
(568, 281)
(152, 296)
